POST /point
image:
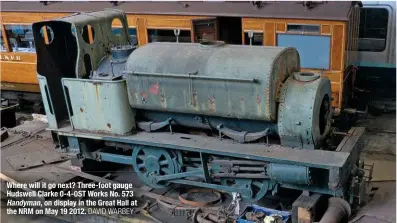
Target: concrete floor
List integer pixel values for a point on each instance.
(380, 145)
(382, 206)
(380, 149)
(24, 218)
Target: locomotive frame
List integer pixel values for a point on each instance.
(283, 164)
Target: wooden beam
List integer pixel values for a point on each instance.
(141, 31)
(5, 39)
(304, 208)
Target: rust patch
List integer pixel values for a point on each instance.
(154, 89)
(97, 83)
(212, 105)
(258, 99)
(109, 125)
(163, 101)
(195, 99)
(144, 95)
(97, 93)
(81, 110)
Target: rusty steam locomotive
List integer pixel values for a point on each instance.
(228, 117)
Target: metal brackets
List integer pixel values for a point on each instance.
(154, 126)
(241, 137)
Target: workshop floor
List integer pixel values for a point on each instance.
(382, 207)
(380, 149)
(380, 145)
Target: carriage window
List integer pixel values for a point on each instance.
(131, 31)
(302, 28)
(161, 35)
(21, 38)
(314, 51)
(256, 39)
(2, 47)
(373, 29)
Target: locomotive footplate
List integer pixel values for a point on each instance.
(162, 158)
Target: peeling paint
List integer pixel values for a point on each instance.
(154, 89)
(163, 101)
(144, 95)
(212, 104)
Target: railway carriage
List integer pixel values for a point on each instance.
(326, 34)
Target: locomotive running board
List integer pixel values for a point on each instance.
(339, 163)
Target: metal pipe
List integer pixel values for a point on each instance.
(192, 76)
(201, 219)
(338, 209)
(240, 175)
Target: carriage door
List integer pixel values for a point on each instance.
(205, 30)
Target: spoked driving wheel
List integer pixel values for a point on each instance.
(150, 163)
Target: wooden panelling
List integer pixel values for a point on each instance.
(325, 29)
(335, 86)
(334, 77)
(168, 22)
(252, 24)
(15, 72)
(24, 57)
(20, 87)
(281, 27)
(5, 39)
(131, 20)
(18, 68)
(296, 21)
(141, 31)
(22, 18)
(337, 49)
(335, 101)
(47, 16)
(270, 34)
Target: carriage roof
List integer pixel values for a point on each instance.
(337, 11)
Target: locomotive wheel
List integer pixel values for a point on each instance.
(259, 187)
(151, 162)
